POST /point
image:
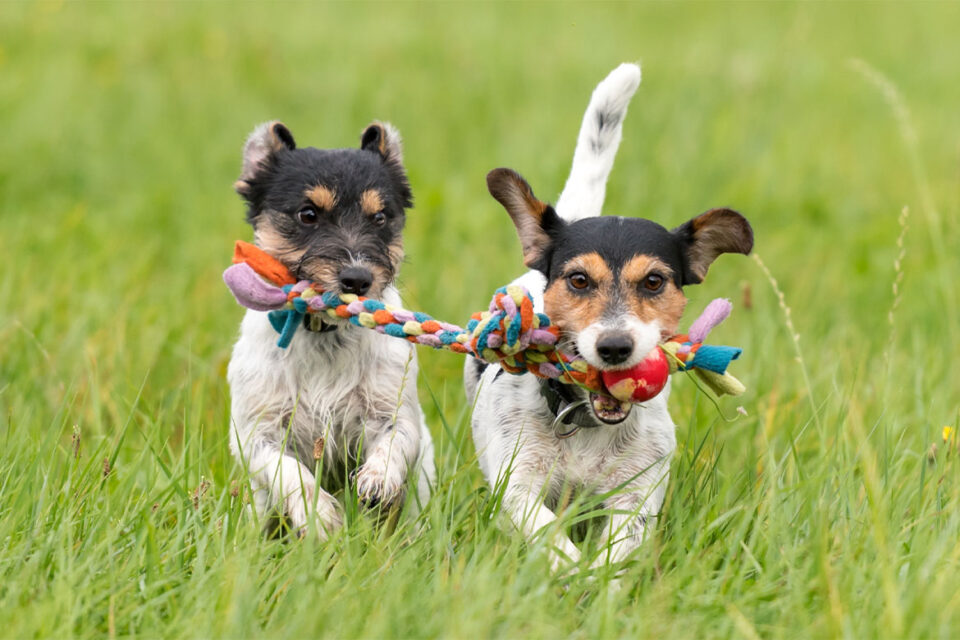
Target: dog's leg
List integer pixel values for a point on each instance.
(290, 485)
(636, 505)
(523, 501)
(381, 479)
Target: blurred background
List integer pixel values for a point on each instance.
(122, 126)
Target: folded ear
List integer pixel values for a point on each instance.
(383, 138)
(535, 220)
(265, 141)
(708, 235)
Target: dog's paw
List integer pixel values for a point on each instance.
(380, 483)
(327, 516)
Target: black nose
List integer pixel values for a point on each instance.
(614, 348)
(355, 280)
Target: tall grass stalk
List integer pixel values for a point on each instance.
(895, 285)
(792, 332)
(908, 134)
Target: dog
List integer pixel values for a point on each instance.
(341, 399)
(614, 288)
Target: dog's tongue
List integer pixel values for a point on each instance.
(641, 382)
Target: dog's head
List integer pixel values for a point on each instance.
(615, 285)
(332, 216)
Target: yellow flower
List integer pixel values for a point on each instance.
(947, 432)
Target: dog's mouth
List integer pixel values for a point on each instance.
(605, 407)
(609, 410)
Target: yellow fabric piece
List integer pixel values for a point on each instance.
(412, 328)
(721, 384)
(671, 348)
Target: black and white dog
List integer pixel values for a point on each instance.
(340, 398)
(614, 287)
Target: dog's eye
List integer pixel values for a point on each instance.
(578, 281)
(653, 282)
(307, 215)
(379, 218)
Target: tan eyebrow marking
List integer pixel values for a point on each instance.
(371, 202)
(639, 266)
(593, 265)
(324, 197)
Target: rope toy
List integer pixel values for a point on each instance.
(509, 333)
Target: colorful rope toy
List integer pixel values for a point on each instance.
(508, 333)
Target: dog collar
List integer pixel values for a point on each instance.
(568, 412)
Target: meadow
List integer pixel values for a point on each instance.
(829, 510)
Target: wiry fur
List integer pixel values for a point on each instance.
(348, 394)
(516, 440)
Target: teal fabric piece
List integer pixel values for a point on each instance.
(285, 323)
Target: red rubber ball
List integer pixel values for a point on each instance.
(641, 382)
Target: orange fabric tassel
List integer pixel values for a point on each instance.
(263, 263)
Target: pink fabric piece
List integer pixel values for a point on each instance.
(549, 370)
(715, 313)
(509, 306)
(300, 287)
(542, 336)
(402, 315)
(251, 291)
(429, 339)
(355, 307)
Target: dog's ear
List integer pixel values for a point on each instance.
(708, 235)
(265, 142)
(535, 220)
(383, 139)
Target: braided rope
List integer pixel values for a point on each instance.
(509, 333)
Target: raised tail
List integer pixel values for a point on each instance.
(600, 135)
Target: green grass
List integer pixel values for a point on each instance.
(831, 509)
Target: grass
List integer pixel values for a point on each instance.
(830, 509)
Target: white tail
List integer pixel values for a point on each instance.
(600, 135)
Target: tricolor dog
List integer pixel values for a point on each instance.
(614, 287)
(341, 398)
